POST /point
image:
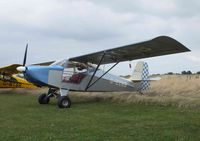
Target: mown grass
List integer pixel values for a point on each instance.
(22, 118)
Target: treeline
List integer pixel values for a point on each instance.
(184, 73)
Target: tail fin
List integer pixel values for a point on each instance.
(140, 75)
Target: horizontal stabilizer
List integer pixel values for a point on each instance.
(154, 79)
(148, 79)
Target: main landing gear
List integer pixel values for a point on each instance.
(63, 100)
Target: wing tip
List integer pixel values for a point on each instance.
(164, 38)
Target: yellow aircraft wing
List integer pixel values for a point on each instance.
(10, 79)
(9, 70)
(12, 69)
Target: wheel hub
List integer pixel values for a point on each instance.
(65, 103)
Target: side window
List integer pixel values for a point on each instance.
(67, 73)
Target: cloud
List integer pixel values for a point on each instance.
(165, 8)
(79, 20)
(64, 28)
(194, 57)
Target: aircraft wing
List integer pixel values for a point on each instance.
(9, 70)
(161, 45)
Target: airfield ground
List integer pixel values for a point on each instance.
(170, 111)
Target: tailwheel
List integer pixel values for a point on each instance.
(43, 99)
(64, 102)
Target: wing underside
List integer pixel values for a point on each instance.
(161, 45)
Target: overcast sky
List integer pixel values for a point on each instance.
(59, 29)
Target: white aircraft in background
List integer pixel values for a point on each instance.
(82, 73)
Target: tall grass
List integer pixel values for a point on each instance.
(180, 90)
(174, 90)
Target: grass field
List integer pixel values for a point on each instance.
(23, 119)
(169, 111)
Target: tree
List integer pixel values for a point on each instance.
(186, 72)
(183, 72)
(170, 73)
(189, 72)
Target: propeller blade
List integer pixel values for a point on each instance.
(25, 55)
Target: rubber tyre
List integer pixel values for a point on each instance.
(64, 102)
(43, 99)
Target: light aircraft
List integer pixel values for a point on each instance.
(82, 73)
(9, 78)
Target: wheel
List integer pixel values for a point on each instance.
(64, 102)
(43, 99)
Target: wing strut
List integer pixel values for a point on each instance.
(102, 75)
(88, 85)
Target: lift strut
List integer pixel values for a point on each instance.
(103, 75)
(88, 85)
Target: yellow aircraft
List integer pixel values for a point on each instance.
(10, 78)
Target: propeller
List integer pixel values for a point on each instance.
(23, 67)
(25, 55)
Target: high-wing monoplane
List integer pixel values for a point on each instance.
(83, 73)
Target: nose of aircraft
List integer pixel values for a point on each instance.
(39, 75)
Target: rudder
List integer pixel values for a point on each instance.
(140, 75)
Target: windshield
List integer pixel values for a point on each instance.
(62, 63)
(75, 66)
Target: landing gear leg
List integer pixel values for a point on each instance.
(45, 98)
(64, 101)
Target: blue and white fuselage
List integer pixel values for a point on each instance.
(40, 75)
(75, 76)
